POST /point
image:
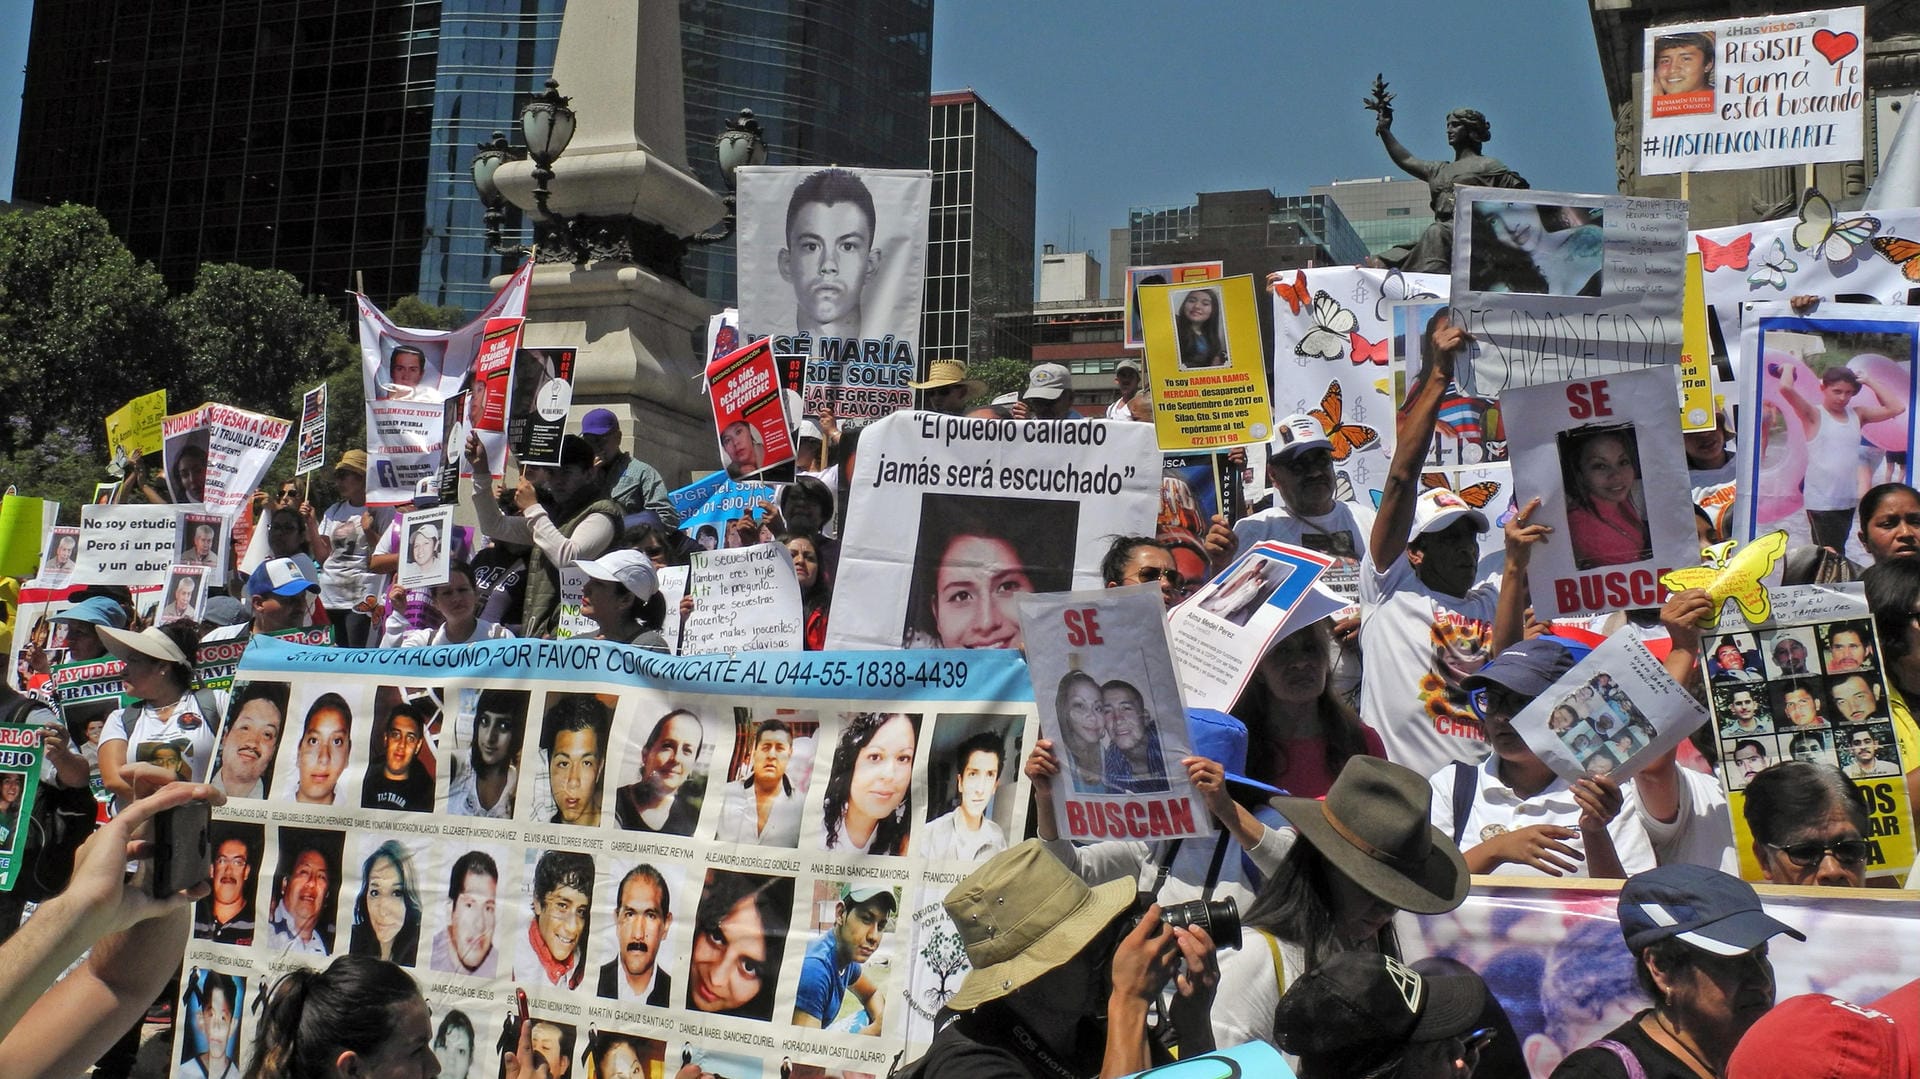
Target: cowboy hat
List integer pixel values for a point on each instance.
(1373, 827)
(944, 373)
(1021, 915)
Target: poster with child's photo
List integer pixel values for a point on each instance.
(1110, 705)
(1604, 457)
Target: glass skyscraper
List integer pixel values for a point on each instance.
(331, 137)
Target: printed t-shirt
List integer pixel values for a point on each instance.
(1419, 645)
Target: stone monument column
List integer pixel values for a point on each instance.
(625, 174)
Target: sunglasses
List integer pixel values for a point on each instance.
(1150, 574)
(1809, 854)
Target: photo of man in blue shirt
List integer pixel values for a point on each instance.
(836, 958)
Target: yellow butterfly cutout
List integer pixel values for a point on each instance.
(1737, 577)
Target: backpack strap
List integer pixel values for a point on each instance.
(1279, 967)
(1628, 1059)
(1464, 787)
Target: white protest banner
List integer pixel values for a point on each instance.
(1204, 367)
(542, 399)
(969, 513)
(1753, 93)
(749, 412)
(407, 374)
(1330, 359)
(1184, 273)
(1838, 387)
(129, 545)
(184, 597)
(1605, 459)
(1860, 258)
(184, 451)
(1220, 633)
(499, 786)
(427, 550)
(832, 266)
(1556, 286)
(1109, 700)
(241, 446)
(1614, 713)
(312, 449)
(746, 599)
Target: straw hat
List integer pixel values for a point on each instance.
(1373, 826)
(944, 373)
(1023, 914)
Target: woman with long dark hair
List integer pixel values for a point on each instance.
(1302, 730)
(869, 800)
(386, 915)
(1201, 330)
(485, 787)
(359, 1016)
(1362, 855)
(816, 595)
(739, 933)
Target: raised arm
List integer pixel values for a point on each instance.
(1409, 164)
(1659, 783)
(1510, 613)
(1416, 422)
(1808, 412)
(1886, 392)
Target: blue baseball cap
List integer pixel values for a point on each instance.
(284, 577)
(95, 611)
(1704, 907)
(1220, 737)
(1527, 667)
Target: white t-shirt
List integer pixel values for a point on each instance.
(187, 729)
(1342, 533)
(944, 839)
(1250, 988)
(1496, 809)
(1419, 645)
(740, 818)
(1702, 832)
(345, 579)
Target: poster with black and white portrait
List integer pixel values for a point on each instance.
(832, 262)
(427, 546)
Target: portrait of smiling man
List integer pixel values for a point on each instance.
(303, 908)
(554, 951)
(226, 915)
(642, 915)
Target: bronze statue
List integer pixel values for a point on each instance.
(1467, 131)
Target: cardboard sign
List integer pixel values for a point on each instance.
(749, 411)
(1204, 365)
(1178, 273)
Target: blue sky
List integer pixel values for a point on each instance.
(1136, 103)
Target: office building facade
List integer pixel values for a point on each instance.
(980, 238)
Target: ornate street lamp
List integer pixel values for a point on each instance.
(742, 143)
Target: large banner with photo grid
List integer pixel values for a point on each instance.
(680, 859)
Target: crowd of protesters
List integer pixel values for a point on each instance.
(1365, 771)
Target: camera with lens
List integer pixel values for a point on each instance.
(1219, 917)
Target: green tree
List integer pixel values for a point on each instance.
(415, 313)
(1002, 374)
(82, 328)
(245, 335)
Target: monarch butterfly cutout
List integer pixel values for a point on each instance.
(1836, 241)
(1732, 256)
(1902, 253)
(1295, 294)
(1346, 437)
(1332, 327)
(1738, 577)
(1478, 495)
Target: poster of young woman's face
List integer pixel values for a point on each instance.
(667, 783)
(1541, 248)
(1606, 504)
(455, 1040)
(739, 935)
(388, 879)
(975, 558)
(483, 753)
(867, 807)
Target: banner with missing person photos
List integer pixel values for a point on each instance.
(700, 858)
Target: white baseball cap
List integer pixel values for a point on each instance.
(628, 568)
(1048, 382)
(1439, 507)
(1298, 433)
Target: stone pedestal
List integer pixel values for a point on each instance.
(619, 62)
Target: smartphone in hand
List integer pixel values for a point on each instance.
(183, 853)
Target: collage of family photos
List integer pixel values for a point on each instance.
(1600, 727)
(1813, 693)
